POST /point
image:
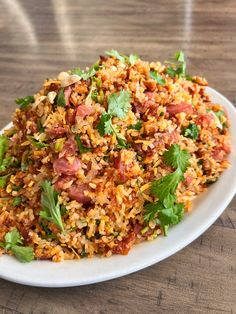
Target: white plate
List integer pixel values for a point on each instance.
(207, 208)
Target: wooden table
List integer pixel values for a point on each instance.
(40, 38)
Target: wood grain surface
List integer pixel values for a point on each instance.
(40, 38)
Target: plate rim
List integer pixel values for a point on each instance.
(140, 264)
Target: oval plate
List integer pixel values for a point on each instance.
(207, 208)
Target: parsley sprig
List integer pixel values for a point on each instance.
(166, 211)
(50, 205)
(13, 242)
(118, 106)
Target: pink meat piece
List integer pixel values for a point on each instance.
(70, 116)
(205, 119)
(63, 166)
(69, 148)
(76, 192)
(83, 111)
(59, 185)
(182, 107)
(219, 153)
(56, 131)
(67, 93)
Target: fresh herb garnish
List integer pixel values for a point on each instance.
(17, 201)
(219, 113)
(9, 160)
(24, 102)
(118, 106)
(191, 131)
(115, 54)
(137, 126)
(176, 158)
(50, 205)
(48, 232)
(82, 149)
(86, 75)
(178, 67)
(13, 242)
(105, 124)
(3, 146)
(166, 210)
(40, 127)
(92, 95)
(3, 181)
(36, 143)
(60, 98)
(131, 59)
(157, 77)
(16, 187)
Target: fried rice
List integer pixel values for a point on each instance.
(102, 178)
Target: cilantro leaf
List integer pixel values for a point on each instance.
(179, 56)
(157, 77)
(219, 113)
(115, 54)
(137, 126)
(13, 242)
(119, 104)
(164, 215)
(13, 237)
(92, 95)
(166, 211)
(166, 185)
(191, 131)
(86, 75)
(17, 201)
(77, 71)
(151, 209)
(50, 204)
(177, 68)
(171, 72)
(176, 157)
(7, 162)
(81, 147)
(133, 58)
(121, 143)
(3, 146)
(60, 99)
(36, 143)
(3, 181)
(24, 102)
(105, 124)
(91, 71)
(40, 127)
(23, 253)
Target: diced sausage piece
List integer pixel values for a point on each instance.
(76, 192)
(65, 166)
(178, 108)
(83, 111)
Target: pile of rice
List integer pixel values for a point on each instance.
(104, 189)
